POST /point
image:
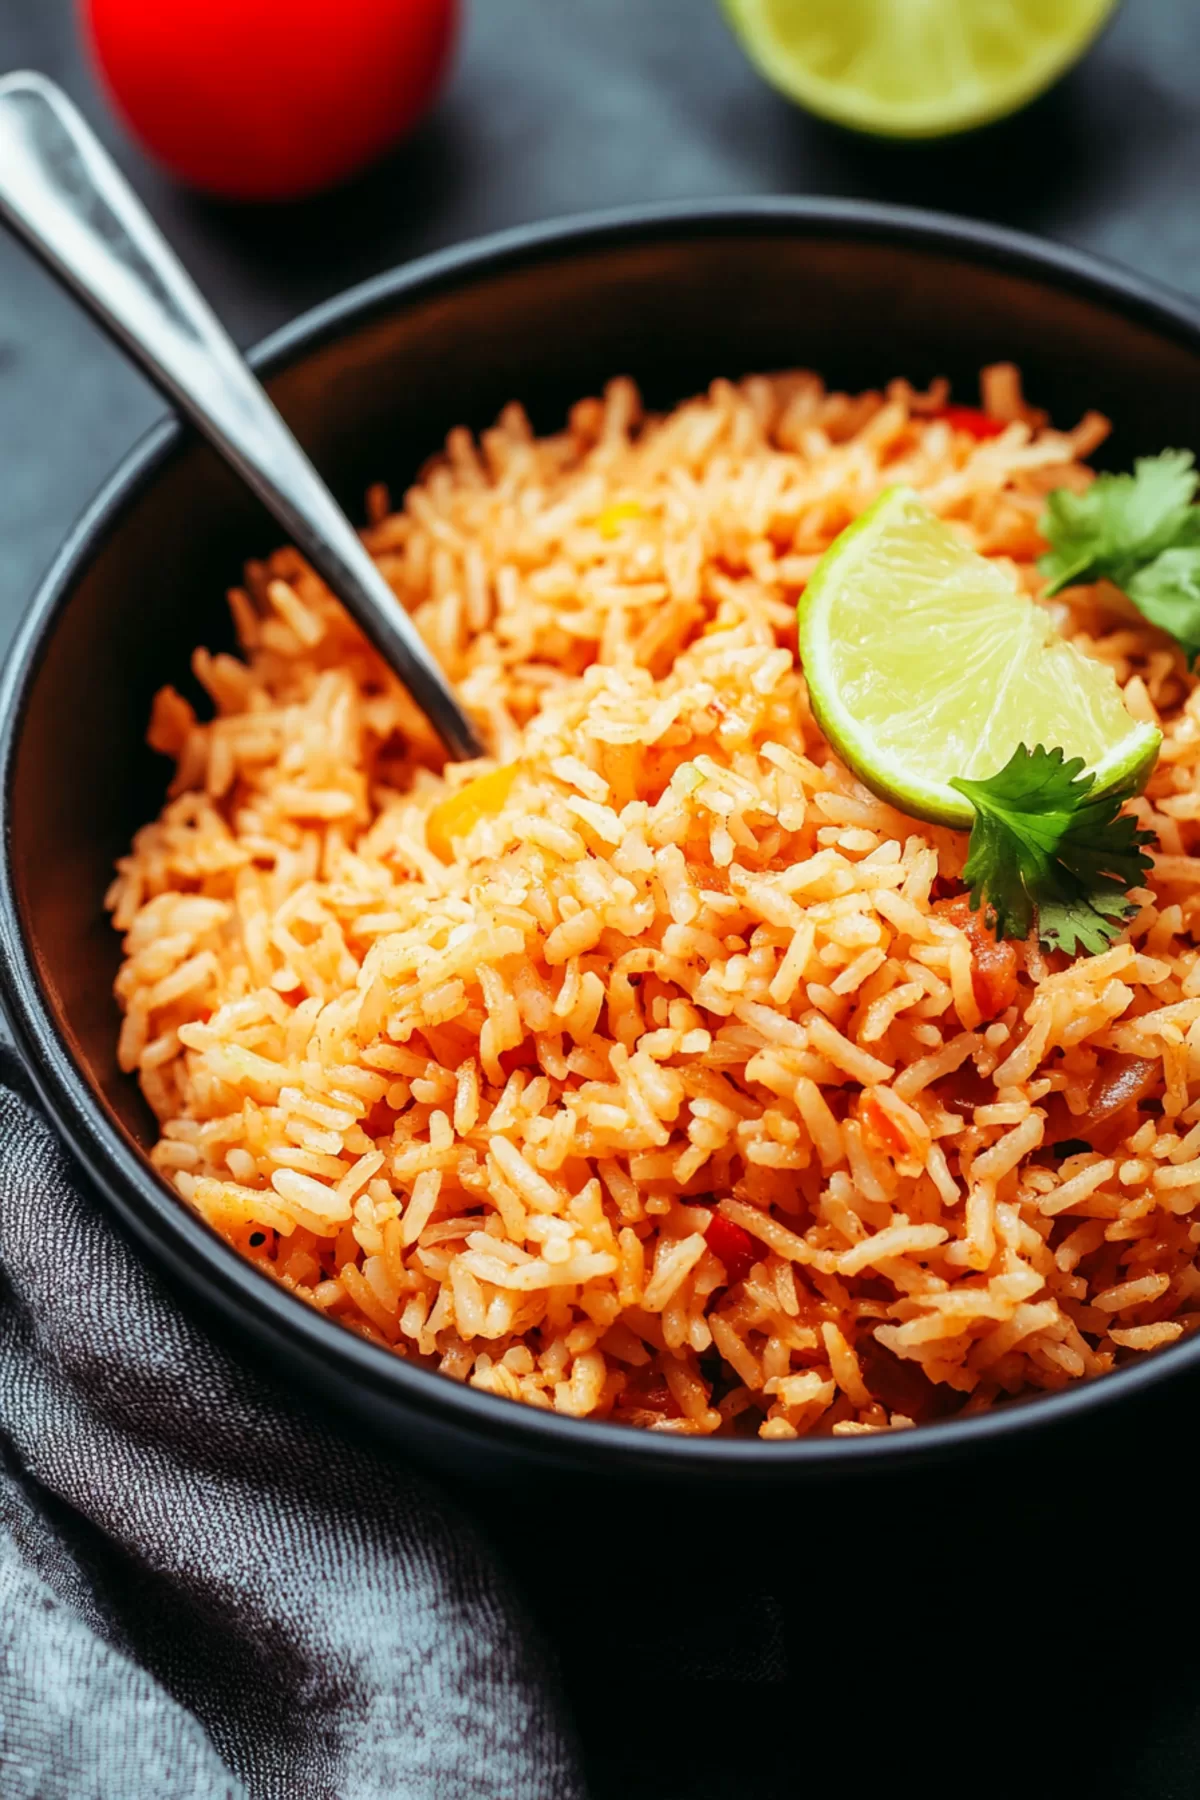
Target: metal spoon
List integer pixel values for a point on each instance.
(62, 193)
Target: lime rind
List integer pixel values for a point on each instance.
(967, 98)
(965, 670)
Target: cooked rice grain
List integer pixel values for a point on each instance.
(475, 1068)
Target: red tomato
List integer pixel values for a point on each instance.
(994, 966)
(971, 420)
(733, 1245)
(270, 99)
(647, 1392)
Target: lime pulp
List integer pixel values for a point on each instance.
(915, 68)
(924, 664)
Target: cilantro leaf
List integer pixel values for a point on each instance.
(1047, 851)
(1139, 531)
(1121, 522)
(1167, 592)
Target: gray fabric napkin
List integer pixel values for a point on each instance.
(203, 1594)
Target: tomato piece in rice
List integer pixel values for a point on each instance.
(994, 964)
(733, 1246)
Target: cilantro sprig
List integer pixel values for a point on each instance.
(1047, 850)
(1139, 531)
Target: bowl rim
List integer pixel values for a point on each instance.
(190, 1250)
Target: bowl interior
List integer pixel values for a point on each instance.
(372, 394)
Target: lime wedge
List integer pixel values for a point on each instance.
(924, 663)
(915, 68)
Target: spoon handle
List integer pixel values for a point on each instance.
(63, 194)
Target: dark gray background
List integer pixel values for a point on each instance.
(1084, 1679)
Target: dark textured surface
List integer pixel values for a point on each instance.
(557, 108)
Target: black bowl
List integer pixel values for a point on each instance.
(371, 383)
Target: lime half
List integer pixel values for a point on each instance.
(915, 68)
(924, 663)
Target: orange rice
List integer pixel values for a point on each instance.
(495, 1074)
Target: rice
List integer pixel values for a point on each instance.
(660, 1076)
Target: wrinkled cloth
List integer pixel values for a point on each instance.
(204, 1594)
